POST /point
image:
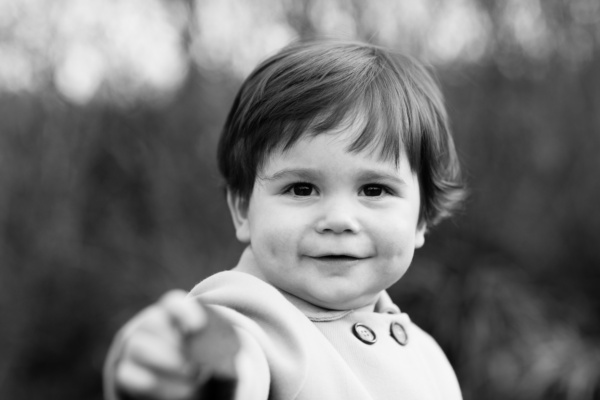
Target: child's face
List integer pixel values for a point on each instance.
(331, 227)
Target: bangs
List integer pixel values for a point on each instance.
(394, 115)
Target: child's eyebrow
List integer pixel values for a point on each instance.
(296, 173)
(311, 174)
(379, 176)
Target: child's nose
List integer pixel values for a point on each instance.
(338, 216)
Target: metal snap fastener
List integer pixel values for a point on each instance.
(399, 333)
(364, 333)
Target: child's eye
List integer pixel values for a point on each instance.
(301, 189)
(374, 190)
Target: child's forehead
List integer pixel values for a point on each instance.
(347, 137)
(357, 132)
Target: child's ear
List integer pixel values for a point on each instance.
(239, 213)
(420, 235)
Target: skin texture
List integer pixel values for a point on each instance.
(330, 226)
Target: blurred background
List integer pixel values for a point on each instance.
(109, 194)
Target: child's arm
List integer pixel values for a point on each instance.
(170, 349)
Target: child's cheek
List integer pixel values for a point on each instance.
(395, 245)
(277, 242)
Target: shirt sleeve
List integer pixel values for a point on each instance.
(252, 370)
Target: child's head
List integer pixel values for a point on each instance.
(311, 88)
(337, 157)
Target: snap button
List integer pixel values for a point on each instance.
(364, 333)
(399, 333)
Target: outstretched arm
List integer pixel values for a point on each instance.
(175, 349)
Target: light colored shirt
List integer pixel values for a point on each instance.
(293, 350)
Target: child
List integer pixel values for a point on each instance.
(337, 158)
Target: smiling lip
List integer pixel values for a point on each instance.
(337, 258)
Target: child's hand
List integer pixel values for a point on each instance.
(156, 362)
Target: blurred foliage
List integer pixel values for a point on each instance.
(106, 203)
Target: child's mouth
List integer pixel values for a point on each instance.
(334, 257)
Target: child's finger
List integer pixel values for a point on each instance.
(157, 321)
(174, 390)
(133, 378)
(139, 381)
(159, 355)
(188, 315)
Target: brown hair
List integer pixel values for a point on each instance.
(310, 87)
